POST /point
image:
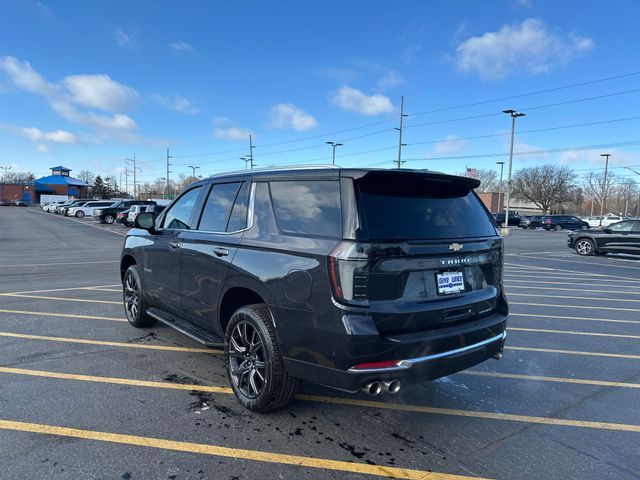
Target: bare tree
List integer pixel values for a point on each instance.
(86, 176)
(545, 185)
(594, 187)
(18, 177)
(489, 181)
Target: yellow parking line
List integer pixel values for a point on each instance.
(574, 352)
(555, 289)
(110, 344)
(588, 319)
(350, 401)
(235, 453)
(39, 297)
(631, 300)
(546, 277)
(569, 332)
(579, 381)
(62, 315)
(588, 307)
(61, 289)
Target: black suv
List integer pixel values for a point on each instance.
(514, 219)
(350, 278)
(109, 214)
(568, 222)
(620, 237)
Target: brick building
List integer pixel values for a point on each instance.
(59, 183)
(495, 204)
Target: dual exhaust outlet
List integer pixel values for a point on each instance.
(376, 388)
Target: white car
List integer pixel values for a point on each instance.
(88, 208)
(50, 207)
(594, 222)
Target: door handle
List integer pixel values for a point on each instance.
(221, 252)
(174, 244)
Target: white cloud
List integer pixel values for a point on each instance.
(530, 46)
(123, 39)
(451, 144)
(181, 46)
(42, 148)
(99, 91)
(582, 157)
(43, 9)
(287, 115)
(177, 103)
(354, 100)
(25, 77)
(390, 80)
(226, 129)
(55, 136)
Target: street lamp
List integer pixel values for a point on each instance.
(334, 145)
(193, 170)
(604, 185)
(514, 115)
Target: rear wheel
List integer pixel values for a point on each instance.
(558, 228)
(108, 218)
(254, 365)
(135, 306)
(79, 214)
(585, 247)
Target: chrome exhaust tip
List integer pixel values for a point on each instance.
(373, 388)
(393, 386)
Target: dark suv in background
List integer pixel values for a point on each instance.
(567, 222)
(109, 214)
(350, 278)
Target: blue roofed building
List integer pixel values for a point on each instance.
(60, 183)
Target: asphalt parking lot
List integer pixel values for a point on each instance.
(84, 395)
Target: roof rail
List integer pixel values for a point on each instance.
(277, 168)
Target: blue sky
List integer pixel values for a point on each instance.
(87, 84)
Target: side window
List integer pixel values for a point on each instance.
(238, 219)
(622, 227)
(308, 207)
(179, 215)
(218, 206)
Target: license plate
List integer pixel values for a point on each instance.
(449, 282)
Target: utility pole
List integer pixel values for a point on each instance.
(126, 180)
(251, 147)
(604, 185)
(501, 189)
(514, 115)
(193, 170)
(334, 145)
(168, 172)
(135, 170)
(400, 144)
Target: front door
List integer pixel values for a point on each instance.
(207, 252)
(161, 275)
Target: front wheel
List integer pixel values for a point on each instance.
(254, 365)
(135, 306)
(109, 219)
(558, 228)
(79, 214)
(585, 247)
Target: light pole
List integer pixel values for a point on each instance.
(135, 171)
(604, 185)
(514, 115)
(501, 190)
(334, 145)
(246, 162)
(193, 170)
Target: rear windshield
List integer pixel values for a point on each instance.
(412, 207)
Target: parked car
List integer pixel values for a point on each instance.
(108, 215)
(121, 217)
(621, 237)
(4, 203)
(531, 222)
(58, 208)
(62, 209)
(351, 278)
(21, 203)
(594, 222)
(514, 219)
(135, 210)
(567, 222)
(87, 208)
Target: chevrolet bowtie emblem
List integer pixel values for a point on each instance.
(456, 247)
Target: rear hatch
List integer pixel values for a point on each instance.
(425, 255)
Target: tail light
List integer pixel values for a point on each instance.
(349, 273)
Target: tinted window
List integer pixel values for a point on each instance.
(238, 219)
(395, 207)
(179, 215)
(622, 226)
(308, 207)
(216, 209)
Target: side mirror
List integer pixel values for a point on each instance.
(146, 221)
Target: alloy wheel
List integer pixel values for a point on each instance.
(584, 247)
(131, 296)
(247, 360)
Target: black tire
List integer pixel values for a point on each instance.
(254, 365)
(135, 307)
(557, 228)
(584, 247)
(532, 227)
(108, 218)
(79, 214)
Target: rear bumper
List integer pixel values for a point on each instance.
(419, 357)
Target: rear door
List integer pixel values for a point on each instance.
(434, 254)
(161, 274)
(623, 238)
(207, 251)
